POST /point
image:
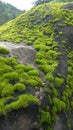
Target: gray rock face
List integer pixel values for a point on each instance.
(25, 54)
(64, 121)
(23, 119)
(58, 125)
(68, 6)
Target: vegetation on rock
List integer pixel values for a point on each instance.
(14, 79)
(49, 28)
(3, 50)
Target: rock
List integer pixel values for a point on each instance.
(22, 119)
(25, 54)
(68, 6)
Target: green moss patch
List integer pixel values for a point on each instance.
(14, 78)
(48, 28)
(3, 50)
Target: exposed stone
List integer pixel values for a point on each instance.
(20, 119)
(68, 6)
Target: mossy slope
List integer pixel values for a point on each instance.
(49, 28)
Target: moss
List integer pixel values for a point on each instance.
(72, 104)
(2, 105)
(64, 42)
(33, 73)
(45, 119)
(3, 50)
(59, 105)
(43, 27)
(48, 68)
(49, 77)
(12, 61)
(68, 124)
(7, 90)
(39, 81)
(61, 33)
(22, 102)
(19, 87)
(59, 81)
(41, 62)
(13, 78)
(5, 69)
(32, 82)
(70, 70)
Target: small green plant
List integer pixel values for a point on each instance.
(49, 77)
(45, 119)
(19, 87)
(12, 77)
(7, 90)
(58, 105)
(22, 102)
(33, 73)
(60, 33)
(3, 50)
(59, 81)
(68, 124)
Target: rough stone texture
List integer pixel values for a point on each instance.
(68, 6)
(68, 34)
(25, 54)
(23, 119)
(58, 125)
(62, 120)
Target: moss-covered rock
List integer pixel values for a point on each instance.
(49, 29)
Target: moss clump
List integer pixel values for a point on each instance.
(45, 119)
(22, 102)
(49, 77)
(3, 50)
(59, 81)
(33, 73)
(7, 90)
(14, 78)
(58, 105)
(19, 87)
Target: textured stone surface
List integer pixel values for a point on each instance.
(20, 119)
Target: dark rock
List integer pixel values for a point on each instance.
(62, 120)
(68, 6)
(34, 126)
(21, 119)
(67, 34)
